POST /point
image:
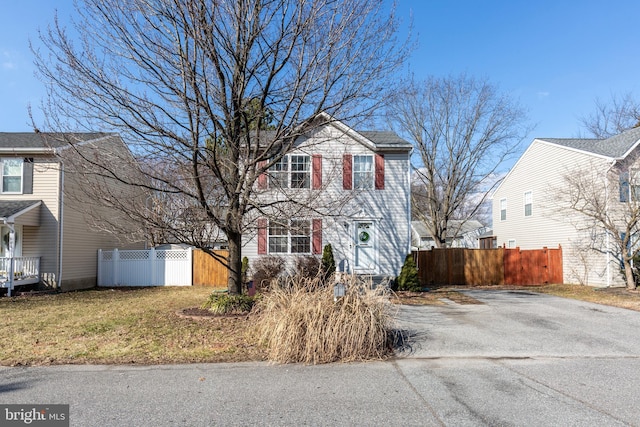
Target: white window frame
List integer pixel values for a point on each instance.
(290, 171)
(363, 177)
(511, 244)
(4, 161)
(503, 209)
(634, 184)
(285, 231)
(528, 201)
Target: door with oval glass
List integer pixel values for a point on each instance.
(365, 247)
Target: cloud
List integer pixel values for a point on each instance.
(543, 94)
(8, 65)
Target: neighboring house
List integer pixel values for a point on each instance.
(356, 186)
(530, 208)
(466, 234)
(54, 244)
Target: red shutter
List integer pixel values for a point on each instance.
(262, 179)
(347, 172)
(317, 236)
(262, 236)
(379, 171)
(316, 174)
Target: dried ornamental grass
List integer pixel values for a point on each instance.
(301, 323)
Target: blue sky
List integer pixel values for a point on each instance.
(556, 57)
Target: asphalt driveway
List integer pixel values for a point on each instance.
(518, 359)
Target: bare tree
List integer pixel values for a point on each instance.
(610, 118)
(210, 95)
(463, 130)
(609, 212)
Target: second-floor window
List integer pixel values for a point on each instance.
(503, 209)
(292, 171)
(363, 172)
(12, 175)
(528, 202)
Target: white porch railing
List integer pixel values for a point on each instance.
(26, 270)
(145, 267)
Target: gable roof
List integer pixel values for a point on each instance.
(10, 209)
(615, 147)
(41, 142)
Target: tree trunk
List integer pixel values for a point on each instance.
(234, 282)
(628, 275)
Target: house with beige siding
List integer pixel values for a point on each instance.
(532, 206)
(350, 189)
(46, 233)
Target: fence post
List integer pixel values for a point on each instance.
(116, 270)
(152, 264)
(190, 265)
(99, 267)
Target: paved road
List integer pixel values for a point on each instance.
(518, 359)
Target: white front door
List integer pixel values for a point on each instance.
(365, 256)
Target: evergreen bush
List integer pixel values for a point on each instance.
(408, 279)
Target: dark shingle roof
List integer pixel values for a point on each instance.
(616, 146)
(386, 139)
(12, 207)
(33, 140)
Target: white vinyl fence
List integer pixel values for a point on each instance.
(145, 267)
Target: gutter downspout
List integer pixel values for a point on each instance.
(60, 225)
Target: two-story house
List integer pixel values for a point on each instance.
(52, 241)
(532, 206)
(351, 189)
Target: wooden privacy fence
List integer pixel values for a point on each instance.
(154, 267)
(501, 266)
(208, 271)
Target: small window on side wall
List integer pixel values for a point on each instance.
(528, 202)
(503, 209)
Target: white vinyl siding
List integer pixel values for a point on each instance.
(541, 171)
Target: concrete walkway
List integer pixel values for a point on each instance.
(518, 359)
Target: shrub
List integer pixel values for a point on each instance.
(408, 279)
(307, 266)
(328, 263)
(265, 269)
(300, 322)
(244, 269)
(222, 303)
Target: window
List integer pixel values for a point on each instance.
(503, 209)
(363, 172)
(290, 237)
(634, 185)
(12, 175)
(528, 201)
(511, 244)
(292, 171)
